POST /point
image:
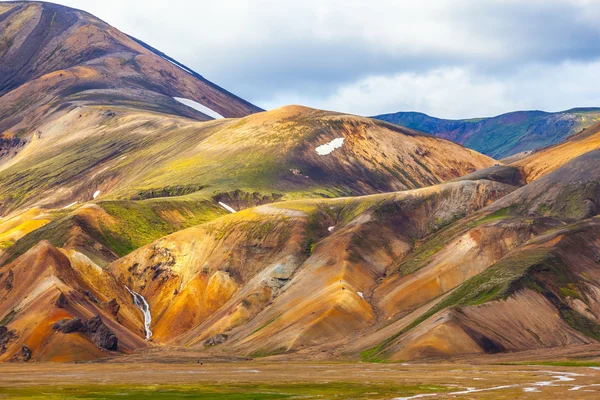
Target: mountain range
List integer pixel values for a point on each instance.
(133, 222)
(504, 135)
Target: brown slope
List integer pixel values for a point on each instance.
(543, 295)
(571, 192)
(30, 291)
(191, 274)
(264, 254)
(544, 161)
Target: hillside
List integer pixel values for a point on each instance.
(53, 58)
(503, 135)
(132, 154)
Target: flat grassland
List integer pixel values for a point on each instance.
(298, 380)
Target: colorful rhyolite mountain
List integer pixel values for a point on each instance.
(293, 233)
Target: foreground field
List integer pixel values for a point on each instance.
(254, 380)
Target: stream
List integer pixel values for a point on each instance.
(141, 303)
(557, 377)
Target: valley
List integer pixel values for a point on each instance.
(250, 380)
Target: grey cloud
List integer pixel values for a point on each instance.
(274, 52)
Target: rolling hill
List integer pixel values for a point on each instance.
(504, 135)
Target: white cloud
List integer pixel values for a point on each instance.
(456, 92)
(451, 58)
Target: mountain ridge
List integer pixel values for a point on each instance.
(505, 134)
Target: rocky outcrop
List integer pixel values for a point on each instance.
(6, 336)
(61, 301)
(216, 340)
(101, 335)
(94, 328)
(23, 355)
(67, 326)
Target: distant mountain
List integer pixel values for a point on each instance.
(503, 135)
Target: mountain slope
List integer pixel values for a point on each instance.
(504, 135)
(46, 286)
(52, 56)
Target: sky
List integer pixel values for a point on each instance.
(446, 58)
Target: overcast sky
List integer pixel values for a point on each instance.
(447, 58)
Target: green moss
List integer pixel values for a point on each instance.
(168, 191)
(133, 224)
(263, 326)
(568, 363)
(428, 247)
(56, 232)
(8, 318)
(570, 291)
(497, 282)
(141, 222)
(241, 391)
(52, 21)
(580, 323)
(503, 213)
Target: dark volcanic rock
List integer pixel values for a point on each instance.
(113, 307)
(61, 301)
(5, 338)
(94, 328)
(100, 334)
(8, 282)
(69, 326)
(90, 296)
(23, 355)
(215, 340)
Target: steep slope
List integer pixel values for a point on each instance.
(104, 231)
(543, 295)
(504, 135)
(549, 159)
(53, 56)
(570, 193)
(45, 288)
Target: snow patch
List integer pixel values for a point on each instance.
(328, 148)
(361, 294)
(189, 71)
(200, 107)
(96, 194)
(331, 228)
(225, 206)
(70, 205)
